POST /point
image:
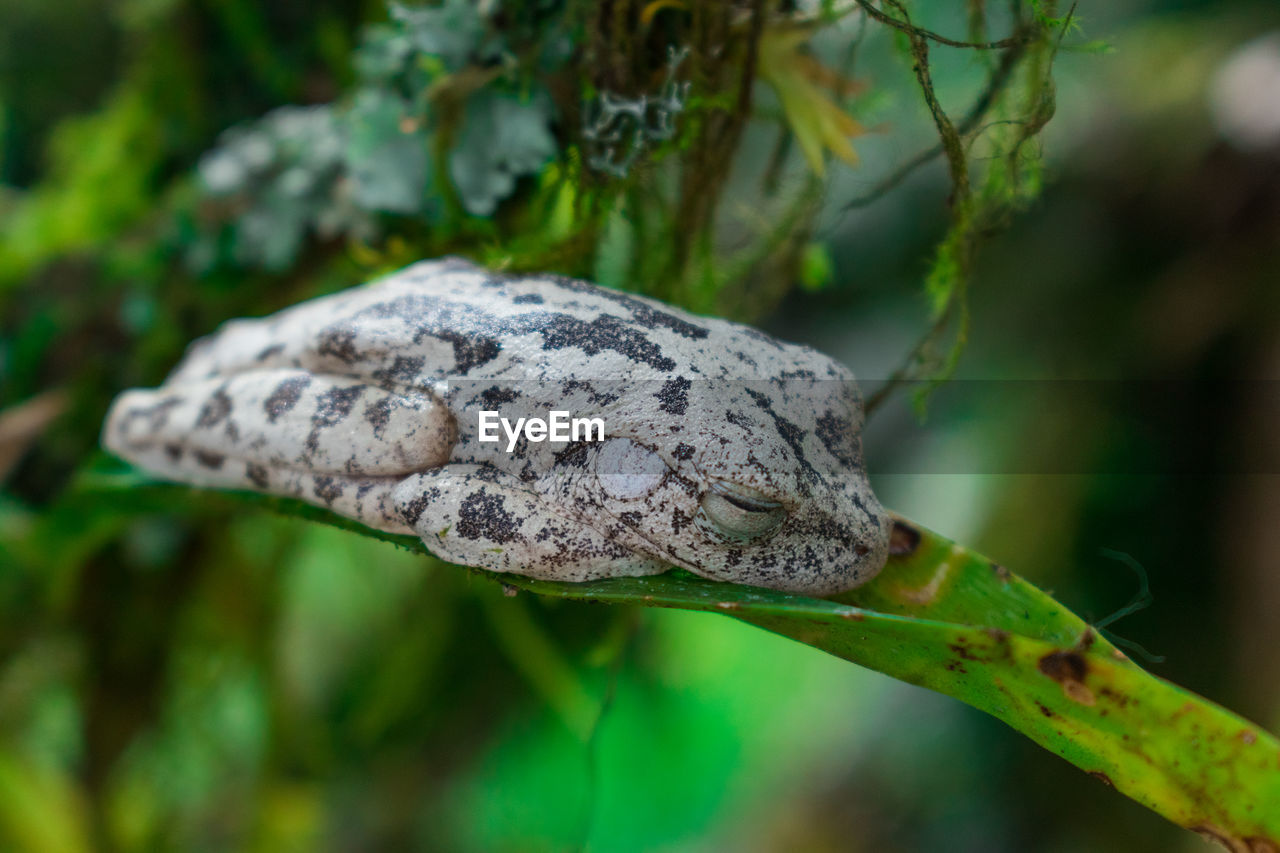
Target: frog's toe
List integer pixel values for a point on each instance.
(368, 500)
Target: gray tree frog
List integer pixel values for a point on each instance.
(726, 452)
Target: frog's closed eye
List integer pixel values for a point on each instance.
(741, 512)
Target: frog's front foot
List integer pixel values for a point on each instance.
(477, 516)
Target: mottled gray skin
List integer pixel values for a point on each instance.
(728, 453)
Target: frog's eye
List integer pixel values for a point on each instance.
(741, 512)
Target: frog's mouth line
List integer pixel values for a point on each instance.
(636, 540)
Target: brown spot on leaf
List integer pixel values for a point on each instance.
(1064, 666)
(1120, 699)
(1069, 669)
(903, 539)
(1102, 777)
(963, 651)
(1002, 574)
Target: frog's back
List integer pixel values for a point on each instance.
(449, 319)
(557, 328)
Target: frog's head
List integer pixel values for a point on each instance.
(759, 482)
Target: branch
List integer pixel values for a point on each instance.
(904, 25)
(996, 83)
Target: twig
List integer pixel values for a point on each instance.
(996, 83)
(965, 229)
(952, 147)
(904, 25)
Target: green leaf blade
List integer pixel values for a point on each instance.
(948, 619)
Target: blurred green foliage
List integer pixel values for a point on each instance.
(211, 679)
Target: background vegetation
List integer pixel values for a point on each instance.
(206, 677)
